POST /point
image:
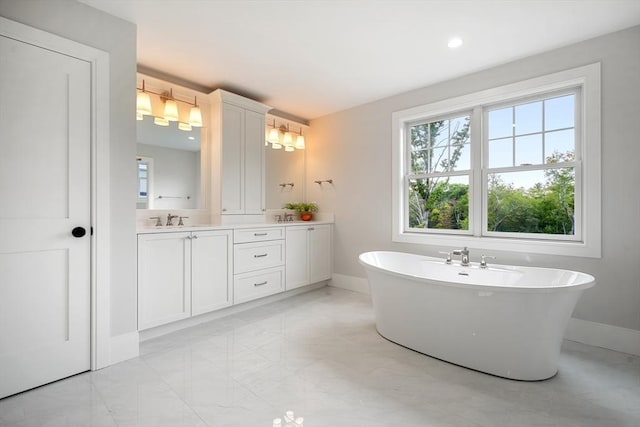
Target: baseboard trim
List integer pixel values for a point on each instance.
(350, 283)
(583, 331)
(124, 347)
(602, 335)
(158, 331)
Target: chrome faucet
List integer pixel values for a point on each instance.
(464, 253)
(170, 219)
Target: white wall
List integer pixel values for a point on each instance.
(83, 24)
(354, 148)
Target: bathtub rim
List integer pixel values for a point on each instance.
(588, 282)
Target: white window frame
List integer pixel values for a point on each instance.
(588, 172)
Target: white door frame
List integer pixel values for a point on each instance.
(100, 205)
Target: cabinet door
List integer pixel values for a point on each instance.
(254, 163)
(320, 253)
(164, 278)
(233, 153)
(297, 266)
(211, 271)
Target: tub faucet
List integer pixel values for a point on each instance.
(464, 253)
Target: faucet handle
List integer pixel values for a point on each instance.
(483, 260)
(158, 222)
(180, 220)
(448, 254)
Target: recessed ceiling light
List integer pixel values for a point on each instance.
(455, 42)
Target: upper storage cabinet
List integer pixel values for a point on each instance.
(237, 141)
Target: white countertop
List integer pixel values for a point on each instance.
(205, 227)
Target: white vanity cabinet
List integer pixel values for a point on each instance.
(238, 139)
(259, 256)
(308, 254)
(211, 270)
(182, 275)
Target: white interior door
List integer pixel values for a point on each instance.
(45, 128)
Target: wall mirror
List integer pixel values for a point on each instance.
(284, 170)
(171, 154)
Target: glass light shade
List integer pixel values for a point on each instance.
(288, 139)
(274, 136)
(195, 117)
(161, 121)
(184, 126)
(143, 103)
(289, 148)
(276, 146)
(139, 116)
(171, 110)
(300, 142)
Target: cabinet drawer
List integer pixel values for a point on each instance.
(255, 256)
(258, 234)
(258, 284)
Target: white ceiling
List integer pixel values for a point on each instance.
(312, 58)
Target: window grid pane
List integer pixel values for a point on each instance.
(551, 118)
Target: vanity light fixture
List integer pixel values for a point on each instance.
(281, 136)
(195, 115)
(274, 134)
(171, 112)
(300, 141)
(161, 121)
(143, 103)
(139, 116)
(288, 139)
(184, 126)
(170, 107)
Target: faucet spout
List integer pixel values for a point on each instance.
(464, 256)
(170, 219)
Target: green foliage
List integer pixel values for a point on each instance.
(301, 207)
(437, 203)
(434, 202)
(547, 208)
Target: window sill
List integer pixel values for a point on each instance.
(587, 249)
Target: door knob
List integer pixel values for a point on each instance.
(78, 232)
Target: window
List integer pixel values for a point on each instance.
(510, 168)
(145, 182)
(439, 173)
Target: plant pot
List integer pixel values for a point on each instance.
(306, 216)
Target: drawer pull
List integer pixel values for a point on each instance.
(259, 234)
(261, 283)
(310, 228)
(260, 256)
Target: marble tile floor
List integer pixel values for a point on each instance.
(319, 355)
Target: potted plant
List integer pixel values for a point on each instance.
(304, 209)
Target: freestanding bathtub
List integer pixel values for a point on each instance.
(503, 320)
